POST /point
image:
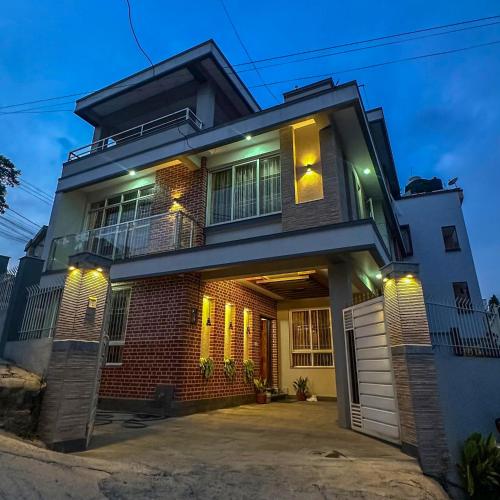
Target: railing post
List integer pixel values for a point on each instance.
(178, 230)
(125, 243)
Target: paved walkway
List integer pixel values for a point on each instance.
(281, 450)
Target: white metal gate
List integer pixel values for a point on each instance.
(373, 402)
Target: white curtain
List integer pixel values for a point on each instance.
(245, 190)
(270, 185)
(221, 196)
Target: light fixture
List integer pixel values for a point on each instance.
(309, 169)
(131, 172)
(99, 269)
(230, 325)
(248, 137)
(209, 323)
(378, 276)
(366, 171)
(385, 280)
(71, 268)
(409, 276)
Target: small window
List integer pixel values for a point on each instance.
(247, 334)
(117, 324)
(207, 323)
(406, 234)
(450, 238)
(229, 326)
(311, 338)
(462, 296)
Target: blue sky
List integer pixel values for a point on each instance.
(442, 113)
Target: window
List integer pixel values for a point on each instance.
(117, 324)
(450, 238)
(207, 323)
(462, 296)
(229, 325)
(311, 338)
(247, 334)
(406, 234)
(246, 190)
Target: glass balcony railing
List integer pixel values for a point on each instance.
(156, 234)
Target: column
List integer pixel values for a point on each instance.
(339, 279)
(422, 429)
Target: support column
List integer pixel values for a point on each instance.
(339, 279)
(73, 374)
(205, 104)
(422, 429)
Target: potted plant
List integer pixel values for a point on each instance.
(229, 368)
(248, 370)
(300, 386)
(206, 367)
(260, 385)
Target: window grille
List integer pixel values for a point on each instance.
(117, 324)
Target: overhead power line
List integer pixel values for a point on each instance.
(9, 236)
(17, 224)
(385, 63)
(40, 190)
(6, 224)
(38, 226)
(40, 198)
(36, 192)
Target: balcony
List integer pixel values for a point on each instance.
(182, 117)
(152, 235)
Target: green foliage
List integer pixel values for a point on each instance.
(480, 467)
(248, 370)
(207, 367)
(260, 384)
(9, 176)
(230, 368)
(300, 385)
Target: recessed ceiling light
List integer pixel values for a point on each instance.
(366, 171)
(131, 172)
(378, 276)
(248, 137)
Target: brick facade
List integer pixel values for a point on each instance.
(162, 345)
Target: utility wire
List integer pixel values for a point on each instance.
(35, 195)
(14, 230)
(41, 191)
(131, 23)
(38, 226)
(36, 192)
(9, 236)
(282, 56)
(18, 224)
(385, 63)
(246, 51)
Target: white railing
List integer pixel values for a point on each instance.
(156, 125)
(7, 281)
(41, 312)
(155, 234)
(466, 329)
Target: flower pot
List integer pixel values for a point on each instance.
(301, 396)
(261, 398)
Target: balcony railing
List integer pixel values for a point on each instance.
(171, 120)
(156, 234)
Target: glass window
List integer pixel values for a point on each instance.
(450, 238)
(245, 190)
(462, 296)
(311, 338)
(406, 234)
(117, 324)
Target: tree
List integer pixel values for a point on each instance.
(9, 176)
(493, 301)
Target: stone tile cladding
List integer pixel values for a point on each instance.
(162, 346)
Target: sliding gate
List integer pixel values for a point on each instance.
(374, 409)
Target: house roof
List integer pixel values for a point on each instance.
(37, 239)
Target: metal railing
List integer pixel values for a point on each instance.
(7, 281)
(156, 125)
(155, 234)
(464, 328)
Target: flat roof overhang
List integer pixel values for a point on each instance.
(300, 248)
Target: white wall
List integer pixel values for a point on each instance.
(426, 214)
(321, 380)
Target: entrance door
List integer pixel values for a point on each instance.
(266, 368)
(373, 402)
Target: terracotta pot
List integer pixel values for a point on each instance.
(261, 398)
(301, 396)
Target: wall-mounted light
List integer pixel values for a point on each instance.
(385, 280)
(378, 276)
(248, 137)
(308, 169)
(366, 171)
(230, 325)
(409, 276)
(209, 323)
(99, 269)
(131, 172)
(71, 268)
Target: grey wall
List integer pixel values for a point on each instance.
(32, 355)
(470, 397)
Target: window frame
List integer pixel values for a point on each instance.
(232, 167)
(121, 342)
(406, 228)
(466, 307)
(311, 351)
(457, 248)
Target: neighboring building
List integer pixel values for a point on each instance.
(34, 247)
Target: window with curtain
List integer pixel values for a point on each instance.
(311, 338)
(246, 190)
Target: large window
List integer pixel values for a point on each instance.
(246, 190)
(311, 338)
(117, 324)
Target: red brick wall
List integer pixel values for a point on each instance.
(163, 347)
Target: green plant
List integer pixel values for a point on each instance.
(248, 370)
(260, 384)
(206, 367)
(480, 467)
(300, 385)
(229, 368)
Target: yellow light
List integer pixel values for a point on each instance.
(409, 276)
(248, 137)
(309, 170)
(385, 280)
(99, 269)
(131, 172)
(378, 276)
(71, 268)
(366, 171)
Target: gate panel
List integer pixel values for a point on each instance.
(374, 407)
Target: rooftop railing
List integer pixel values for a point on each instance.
(171, 120)
(156, 234)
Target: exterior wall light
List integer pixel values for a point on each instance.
(366, 171)
(131, 172)
(248, 137)
(71, 268)
(385, 280)
(99, 269)
(409, 276)
(209, 323)
(378, 276)
(309, 169)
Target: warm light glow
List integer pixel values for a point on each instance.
(71, 268)
(366, 171)
(131, 172)
(99, 269)
(386, 280)
(409, 276)
(309, 170)
(378, 276)
(248, 137)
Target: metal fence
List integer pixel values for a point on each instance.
(464, 328)
(42, 310)
(7, 281)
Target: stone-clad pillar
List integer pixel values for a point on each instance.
(422, 429)
(73, 374)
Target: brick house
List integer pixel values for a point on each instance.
(241, 235)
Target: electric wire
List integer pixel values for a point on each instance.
(22, 226)
(45, 193)
(22, 188)
(38, 226)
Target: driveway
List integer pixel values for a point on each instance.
(281, 450)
